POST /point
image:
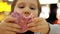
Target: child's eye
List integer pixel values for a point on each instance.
(32, 8)
(21, 7)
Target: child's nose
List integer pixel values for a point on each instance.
(26, 13)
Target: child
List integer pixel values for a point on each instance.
(25, 7)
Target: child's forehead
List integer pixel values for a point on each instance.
(27, 1)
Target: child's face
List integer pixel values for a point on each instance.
(27, 7)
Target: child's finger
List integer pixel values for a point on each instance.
(10, 20)
(13, 25)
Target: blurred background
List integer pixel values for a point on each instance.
(50, 10)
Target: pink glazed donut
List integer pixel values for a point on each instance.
(22, 21)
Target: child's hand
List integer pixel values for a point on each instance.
(8, 26)
(38, 25)
(6, 32)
